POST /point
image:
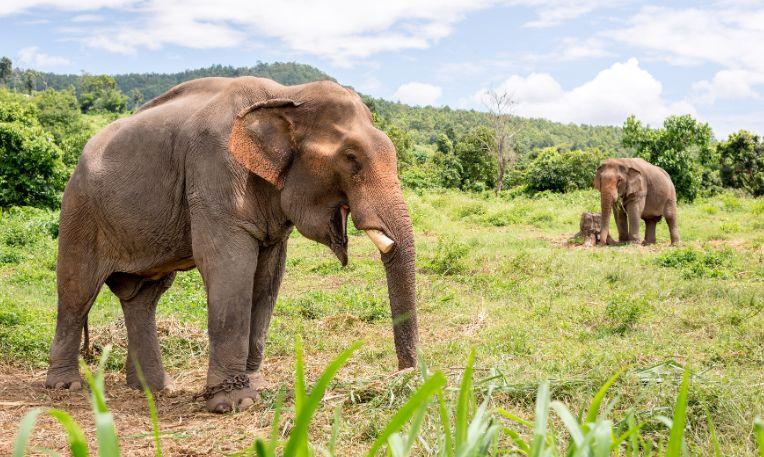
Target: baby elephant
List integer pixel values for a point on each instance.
(590, 228)
(635, 189)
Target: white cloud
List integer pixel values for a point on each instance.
(725, 36)
(342, 31)
(416, 93)
(729, 85)
(613, 94)
(31, 57)
(555, 12)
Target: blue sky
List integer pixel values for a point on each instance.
(587, 61)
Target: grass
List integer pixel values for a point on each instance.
(495, 274)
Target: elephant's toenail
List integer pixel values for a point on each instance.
(76, 385)
(59, 385)
(222, 408)
(245, 403)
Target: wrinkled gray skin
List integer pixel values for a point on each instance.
(635, 189)
(214, 174)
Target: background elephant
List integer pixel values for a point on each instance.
(635, 189)
(214, 174)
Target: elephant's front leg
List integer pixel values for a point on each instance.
(270, 272)
(634, 215)
(621, 220)
(228, 274)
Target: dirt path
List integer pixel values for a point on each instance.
(187, 429)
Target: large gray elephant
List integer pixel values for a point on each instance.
(635, 189)
(214, 174)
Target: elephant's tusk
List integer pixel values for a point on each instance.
(380, 240)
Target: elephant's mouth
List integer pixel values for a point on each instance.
(339, 233)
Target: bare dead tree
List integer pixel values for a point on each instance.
(500, 106)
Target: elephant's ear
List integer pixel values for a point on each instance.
(634, 182)
(597, 181)
(262, 138)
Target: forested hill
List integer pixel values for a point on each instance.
(152, 84)
(423, 123)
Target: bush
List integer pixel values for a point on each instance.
(682, 147)
(32, 172)
(562, 171)
(448, 258)
(742, 162)
(59, 114)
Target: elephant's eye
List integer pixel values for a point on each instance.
(352, 159)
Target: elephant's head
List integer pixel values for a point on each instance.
(318, 145)
(615, 179)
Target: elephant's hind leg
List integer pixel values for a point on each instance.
(650, 224)
(80, 276)
(139, 297)
(670, 215)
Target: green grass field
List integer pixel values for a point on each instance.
(495, 274)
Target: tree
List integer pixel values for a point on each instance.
(478, 164)
(31, 170)
(682, 147)
(59, 114)
(742, 162)
(29, 79)
(6, 70)
(562, 171)
(136, 98)
(402, 142)
(500, 105)
(100, 93)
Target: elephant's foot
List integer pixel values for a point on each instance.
(257, 381)
(65, 379)
(156, 382)
(233, 394)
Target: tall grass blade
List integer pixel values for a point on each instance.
(570, 423)
(106, 435)
(463, 403)
(298, 439)
(542, 414)
(78, 443)
(594, 407)
(758, 430)
(25, 432)
(335, 430)
(676, 435)
(420, 396)
(276, 423)
(300, 391)
(445, 422)
(514, 418)
(152, 407)
(712, 432)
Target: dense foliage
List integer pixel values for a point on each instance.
(32, 172)
(742, 162)
(683, 147)
(559, 170)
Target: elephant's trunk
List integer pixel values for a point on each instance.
(400, 269)
(387, 223)
(606, 205)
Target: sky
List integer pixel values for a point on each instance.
(581, 61)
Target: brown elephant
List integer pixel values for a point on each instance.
(214, 174)
(635, 189)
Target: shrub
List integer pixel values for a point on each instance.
(448, 257)
(624, 312)
(742, 162)
(32, 172)
(682, 147)
(562, 171)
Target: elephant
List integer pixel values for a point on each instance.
(214, 174)
(634, 189)
(589, 228)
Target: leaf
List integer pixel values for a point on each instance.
(712, 432)
(514, 418)
(25, 432)
(594, 407)
(299, 436)
(78, 443)
(676, 434)
(542, 414)
(570, 422)
(463, 402)
(108, 444)
(152, 407)
(421, 395)
(758, 430)
(446, 424)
